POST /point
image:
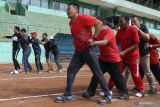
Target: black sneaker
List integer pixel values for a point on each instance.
(153, 91)
(87, 94)
(124, 97)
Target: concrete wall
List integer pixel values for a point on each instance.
(6, 54)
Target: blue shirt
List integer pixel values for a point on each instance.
(35, 45)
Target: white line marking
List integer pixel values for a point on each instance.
(45, 70)
(37, 96)
(49, 77)
(80, 69)
(48, 95)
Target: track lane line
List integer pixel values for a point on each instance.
(48, 95)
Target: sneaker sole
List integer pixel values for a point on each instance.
(102, 103)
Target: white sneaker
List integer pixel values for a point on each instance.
(102, 93)
(139, 94)
(14, 72)
(61, 70)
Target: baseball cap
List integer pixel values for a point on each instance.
(33, 33)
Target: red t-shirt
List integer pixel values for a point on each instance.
(109, 52)
(127, 38)
(153, 51)
(81, 30)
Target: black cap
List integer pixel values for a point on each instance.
(23, 30)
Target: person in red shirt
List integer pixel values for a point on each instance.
(154, 43)
(109, 61)
(81, 29)
(128, 37)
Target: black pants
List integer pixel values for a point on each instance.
(14, 58)
(114, 71)
(156, 71)
(78, 60)
(155, 68)
(57, 60)
(38, 61)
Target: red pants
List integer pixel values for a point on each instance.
(134, 69)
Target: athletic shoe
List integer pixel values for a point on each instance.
(87, 94)
(14, 72)
(105, 100)
(62, 98)
(139, 94)
(152, 91)
(60, 70)
(124, 97)
(102, 94)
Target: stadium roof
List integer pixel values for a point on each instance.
(128, 7)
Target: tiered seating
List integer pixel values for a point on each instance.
(7, 23)
(47, 23)
(32, 22)
(65, 44)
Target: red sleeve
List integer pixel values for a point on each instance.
(135, 36)
(154, 39)
(109, 34)
(88, 21)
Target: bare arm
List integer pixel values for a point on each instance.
(141, 33)
(100, 43)
(144, 35)
(122, 53)
(8, 37)
(91, 42)
(154, 46)
(98, 27)
(42, 42)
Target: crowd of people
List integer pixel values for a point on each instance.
(22, 40)
(137, 54)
